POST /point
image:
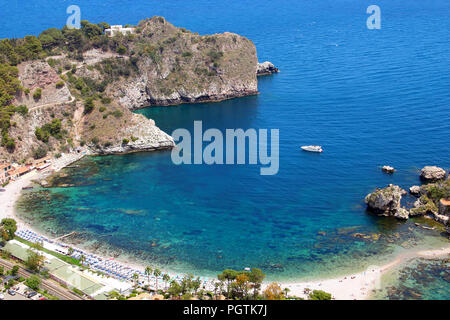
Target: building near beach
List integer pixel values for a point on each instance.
(116, 29)
(4, 168)
(18, 172)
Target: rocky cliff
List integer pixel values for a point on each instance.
(178, 66)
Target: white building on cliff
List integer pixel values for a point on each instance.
(116, 29)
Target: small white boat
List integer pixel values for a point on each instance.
(312, 148)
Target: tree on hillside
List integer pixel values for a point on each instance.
(8, 228)
(51, 38)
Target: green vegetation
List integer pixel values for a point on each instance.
(37, 94)
(88, 105)
(238, 283)
(33, 282)
(121, 49)
(39, 153)
(8, 228)
(59, 84)
(50, 129)
(187, 54)
(15, 270)
(319, 295)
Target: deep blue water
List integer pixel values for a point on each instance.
(369, 97)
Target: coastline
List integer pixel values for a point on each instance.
(361, 285)
(357, 286)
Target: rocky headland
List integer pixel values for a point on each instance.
(76, 88)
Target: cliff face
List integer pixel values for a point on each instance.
(178, 66)
(118, 130)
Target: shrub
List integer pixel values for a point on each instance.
(187, 54)
(59, 84)
(33, 282)
(121, 49)
(125, 141)
(88, 105)
(95, 140)
(39, 153)
(319, 295)
(117, 113)
(37, 94)
(23, 110)
(106, 100)
(51, 62)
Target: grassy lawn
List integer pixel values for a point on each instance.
(60, 256)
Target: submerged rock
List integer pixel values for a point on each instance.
(385, 201)
(266, 68)
(432, 173)
(388, 169)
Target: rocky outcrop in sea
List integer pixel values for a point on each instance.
(385, 201)
(266, 68)
(432, 173)
(433, 198)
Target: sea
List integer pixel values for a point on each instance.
(369, 97)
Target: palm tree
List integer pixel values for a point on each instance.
(166, 279)
(148, 273)
(136, 279)
(70, 251)
(82, 259)
(286, 291)
(156, 273)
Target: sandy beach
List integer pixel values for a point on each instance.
(14, 188)
(357, 286)
(360, 286)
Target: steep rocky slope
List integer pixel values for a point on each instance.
(178, 66)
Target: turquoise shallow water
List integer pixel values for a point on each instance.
(420, 280)
(369, 97)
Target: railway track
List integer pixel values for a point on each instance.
(51, 287)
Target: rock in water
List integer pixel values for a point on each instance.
(385, 201)
(414, 190)
(432, 173)
(266, 68)
(402, 213)
(388, 169)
